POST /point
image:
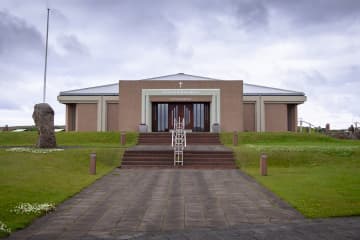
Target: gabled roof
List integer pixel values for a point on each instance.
(113, 89)
(181, 76)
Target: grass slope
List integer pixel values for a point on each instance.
(52, 177)
(318, 175)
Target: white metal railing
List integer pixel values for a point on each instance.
(178, 141)
(309, 125)
(357, 125)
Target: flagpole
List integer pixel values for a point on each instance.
(46, 53)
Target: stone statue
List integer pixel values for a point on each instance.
(44, 121)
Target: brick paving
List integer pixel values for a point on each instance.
(181, 204)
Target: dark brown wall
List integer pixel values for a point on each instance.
(249, 117)
(292, 117)
(112, 117)
(86, 114)
(70, 117)
(276, 117)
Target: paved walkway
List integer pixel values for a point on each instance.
(178, 204)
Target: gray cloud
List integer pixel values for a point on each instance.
(7, 104)
(21, 51)
(335, 93)
(251, 14)
(318, 13)
(17, 36)
(72, 45)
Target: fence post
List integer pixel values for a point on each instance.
(263, 165)
(92, 169)
(123, 138)
(235, 138)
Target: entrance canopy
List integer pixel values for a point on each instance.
(183, 103)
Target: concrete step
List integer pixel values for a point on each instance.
(177, 166)
(154, 151)
(191, 138)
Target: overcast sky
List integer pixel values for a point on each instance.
(311, 46)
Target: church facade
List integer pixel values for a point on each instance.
(205, 104)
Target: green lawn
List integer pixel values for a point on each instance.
(92, 139)
(318, 175)
(52, 177)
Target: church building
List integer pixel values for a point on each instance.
(205, 104)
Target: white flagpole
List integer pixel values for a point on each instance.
(46, 53)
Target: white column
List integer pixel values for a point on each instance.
(258, 114)
(263, 117)
(212, 111)
(99, 113)
(143, 107)
(103, 114)
(148, 112)
(218, 115)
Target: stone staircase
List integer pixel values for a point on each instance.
(191, 138)
(203, 150)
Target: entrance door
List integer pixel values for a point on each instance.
(196, 116)
(182, 111)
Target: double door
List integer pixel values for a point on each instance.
(195, 115)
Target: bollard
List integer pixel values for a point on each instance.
(263, 165)
(123, 138)
(235, 138)
(92, 169)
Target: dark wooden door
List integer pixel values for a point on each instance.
(196, 116)
(182, 111)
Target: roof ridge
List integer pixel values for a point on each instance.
(179, 74)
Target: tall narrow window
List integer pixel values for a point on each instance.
(160, 117)
(201, 117)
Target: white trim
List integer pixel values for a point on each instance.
(146, 104)
(78, 99)
(285, 99)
